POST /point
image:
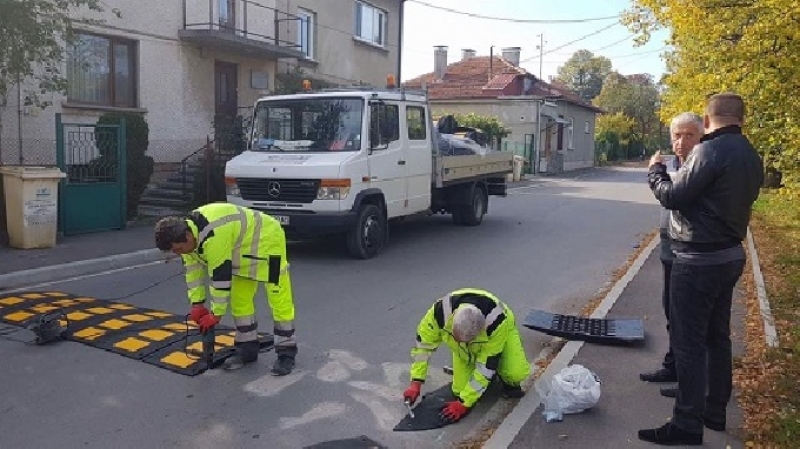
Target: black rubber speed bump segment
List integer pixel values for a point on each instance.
(156, 337)
(427, 412)
(361, 442)
(594, 330)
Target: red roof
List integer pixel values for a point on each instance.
(483, 77)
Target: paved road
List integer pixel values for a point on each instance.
(549, 245)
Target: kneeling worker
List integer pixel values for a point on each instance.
(237, 248)
(482, 335)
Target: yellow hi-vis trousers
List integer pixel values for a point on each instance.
(279, 298)
(513, 367)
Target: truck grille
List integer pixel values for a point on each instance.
(288, 190)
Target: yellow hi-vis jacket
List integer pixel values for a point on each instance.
(483, 353)
(231, 240)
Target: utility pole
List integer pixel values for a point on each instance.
(540, 47)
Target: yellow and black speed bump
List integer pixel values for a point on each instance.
(152, 336)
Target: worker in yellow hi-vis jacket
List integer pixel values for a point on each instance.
(237, 249)
(482, 334)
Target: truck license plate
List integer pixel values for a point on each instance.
(282, 219)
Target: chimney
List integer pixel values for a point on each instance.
(439, 61)
(467, 53)
(511, 54)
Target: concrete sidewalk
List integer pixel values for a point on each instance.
(79, 255)
(627, 404)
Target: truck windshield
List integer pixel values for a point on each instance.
(320, 124)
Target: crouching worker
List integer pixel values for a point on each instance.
(237, 249)
(482, 335)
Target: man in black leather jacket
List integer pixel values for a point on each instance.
(710, 201)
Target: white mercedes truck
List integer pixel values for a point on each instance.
(350, 161)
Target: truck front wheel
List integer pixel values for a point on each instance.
(368, 237)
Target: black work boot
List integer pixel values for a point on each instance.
(660, 375)
(285, 361)
(246, 352)
(512, 391)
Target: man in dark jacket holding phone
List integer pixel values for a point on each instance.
(710, 201)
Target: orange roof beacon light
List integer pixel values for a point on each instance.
(390, 84)
(306, 85)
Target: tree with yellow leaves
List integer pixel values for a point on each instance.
(750, 47)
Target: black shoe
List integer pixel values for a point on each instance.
(669, 392)
(246, 353)
(671, 435)
(660, 375)
(714, 425)
(512, 391)
(283, 365)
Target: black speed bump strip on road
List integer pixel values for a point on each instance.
(155, 337)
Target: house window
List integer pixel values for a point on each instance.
(305, 32)
(370, 24)
(102, 70)
(415, 119)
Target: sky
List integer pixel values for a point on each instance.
(426, 27)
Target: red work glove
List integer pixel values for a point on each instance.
(454, 411)
(412, 392)
(207, 321)
(198, 311)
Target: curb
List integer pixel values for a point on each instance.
(51, 273)
(770, 333)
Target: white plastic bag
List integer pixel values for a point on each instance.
(573, 390)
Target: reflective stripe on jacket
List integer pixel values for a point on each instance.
(231, 240)
(483, 352)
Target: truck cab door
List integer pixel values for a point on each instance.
(387, 156)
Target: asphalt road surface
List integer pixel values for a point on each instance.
(551, 244)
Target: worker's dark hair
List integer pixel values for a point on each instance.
(170, 230)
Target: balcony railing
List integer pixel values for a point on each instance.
(242, 26)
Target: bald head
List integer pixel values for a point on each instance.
(724, 109)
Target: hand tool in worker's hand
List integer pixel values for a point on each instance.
(208, 347)
(408, 407)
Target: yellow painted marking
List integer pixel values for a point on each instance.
(225, 340)
(65, 302)
(78, 316)
(11, 300)
(44, 308)
(56, 294)
(99, 310)
(178, 326)
(115, 324)
(18, 316)
(90, 333)
(137, 318)
(85, 300)
(33, 295)
(196, 346)
(121, 307)
(131, 344)
(178, 359)
(161, 314)
(156, 335)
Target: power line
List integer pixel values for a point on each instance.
(509, 19)
(570, 42)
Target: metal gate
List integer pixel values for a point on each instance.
(93, 194)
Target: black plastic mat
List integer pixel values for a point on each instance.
(594, 330)
(427, 412)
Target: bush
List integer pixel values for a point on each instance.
(139, 166)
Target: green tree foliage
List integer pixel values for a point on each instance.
(612, 135)
(637, 97)
(583, 73)
(748, 47)
(139, 166)
(489, 124)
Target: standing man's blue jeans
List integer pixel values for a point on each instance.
(699, 319)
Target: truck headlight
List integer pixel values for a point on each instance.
(231, 188)
(333, 189)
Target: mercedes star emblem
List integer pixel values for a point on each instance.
(274, 189)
